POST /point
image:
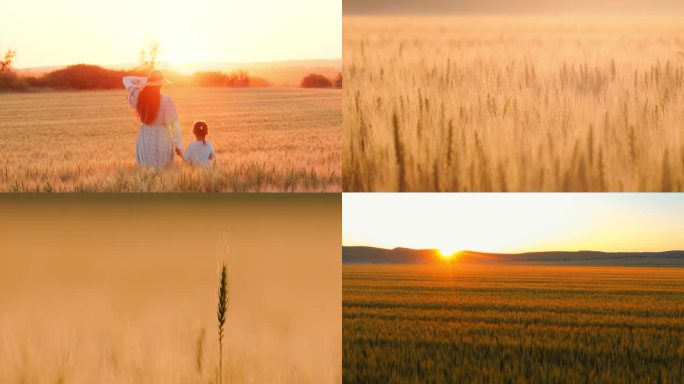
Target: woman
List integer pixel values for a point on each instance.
(159, 135)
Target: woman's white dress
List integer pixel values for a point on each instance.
(156, 141)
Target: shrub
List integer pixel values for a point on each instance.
(209, 79)
(315, 80)
(9, 81)
(259, 82)
(219, 79)
(33, 82)
(83, 76)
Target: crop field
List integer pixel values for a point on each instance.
(512, 324)
(123, 289)
(265, 140)
(513, 103)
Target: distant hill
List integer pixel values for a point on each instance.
(278, 73)
(371, 255)
(510, 6)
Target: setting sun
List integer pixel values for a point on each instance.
(447, 253)
(46, 33)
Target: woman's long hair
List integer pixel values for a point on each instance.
(148, 104)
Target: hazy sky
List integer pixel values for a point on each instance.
(46, 32)
(637, 7)
(512, 222)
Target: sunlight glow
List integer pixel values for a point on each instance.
(49, 33)
(448, 253)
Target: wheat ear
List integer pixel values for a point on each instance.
(221, 313)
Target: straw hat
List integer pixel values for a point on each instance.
(156, 78)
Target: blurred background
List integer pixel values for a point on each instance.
(122, 288)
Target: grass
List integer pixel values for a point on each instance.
(513, 104)
(265, 140)
(512, 324)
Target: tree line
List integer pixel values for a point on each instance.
(85, 76)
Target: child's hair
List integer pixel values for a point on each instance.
(200, 129)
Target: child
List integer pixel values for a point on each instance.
(200, 152)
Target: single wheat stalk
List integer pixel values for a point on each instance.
(199, 355)
(221, 313)
(399, 152)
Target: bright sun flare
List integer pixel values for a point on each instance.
(448, 253)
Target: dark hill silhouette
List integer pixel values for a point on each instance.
(371, 255)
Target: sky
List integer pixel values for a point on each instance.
(513, 222)
(603, 7)
(47, 33)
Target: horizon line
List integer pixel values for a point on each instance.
(339, 59)
(510, 253)
(636, 14)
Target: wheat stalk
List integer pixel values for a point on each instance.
(199, 355)
(399, 152)
(221, 313)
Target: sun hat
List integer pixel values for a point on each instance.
(156, 78)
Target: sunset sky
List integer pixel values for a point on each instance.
(515, 222)
(47, 33)
(500, 7)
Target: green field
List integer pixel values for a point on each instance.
(265, 140)
(414, 324)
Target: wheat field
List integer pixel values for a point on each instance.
(414, 324)
(123, 288)
(513, 103)
(265, 140)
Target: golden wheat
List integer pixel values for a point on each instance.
(513, 104)
(265, 140)
(512, 324)
(221, 314)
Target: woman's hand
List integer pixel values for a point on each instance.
(178, 152)
(134, 82)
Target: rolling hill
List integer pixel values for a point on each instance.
(371, 255)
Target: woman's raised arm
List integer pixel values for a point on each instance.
(134, 81)
(133, 85)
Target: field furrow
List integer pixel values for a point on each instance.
(506, 324)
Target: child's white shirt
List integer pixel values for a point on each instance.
(199, 153)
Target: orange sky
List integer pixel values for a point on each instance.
(47, 33)
(513, 222)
